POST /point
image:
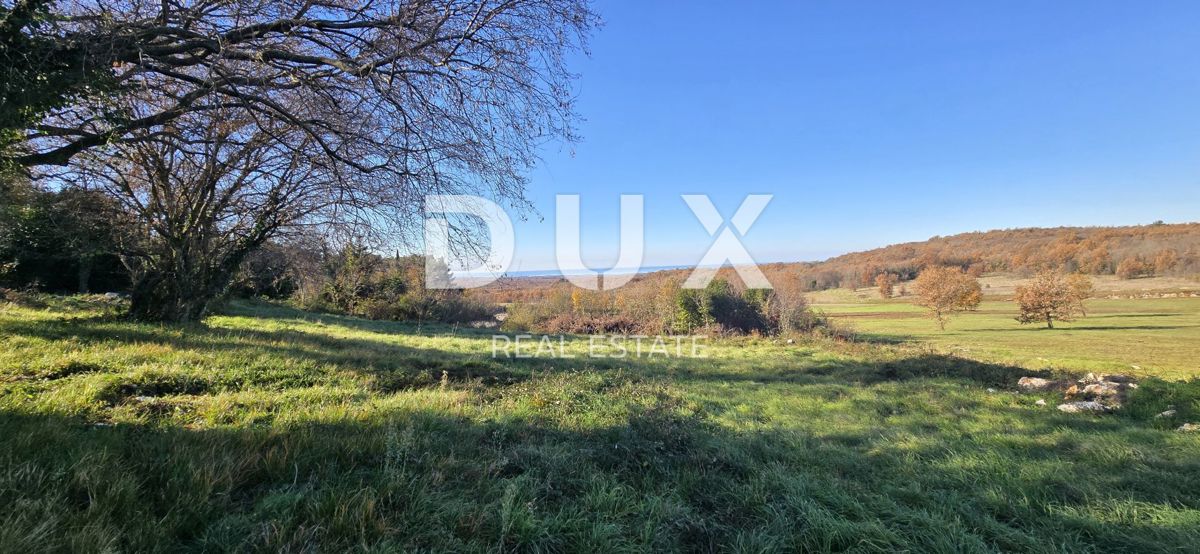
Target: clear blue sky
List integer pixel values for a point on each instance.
(877, 122)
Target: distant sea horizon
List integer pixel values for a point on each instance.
(616, 271)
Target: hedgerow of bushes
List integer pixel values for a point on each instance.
(651, 307)
(358, 282)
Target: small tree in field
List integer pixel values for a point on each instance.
(1081, 289)
(944, 291)
(1049, 297)
(886, 283)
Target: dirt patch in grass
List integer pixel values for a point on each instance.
(152, 385)
(68, 368)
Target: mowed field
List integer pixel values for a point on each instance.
(1144, 337)
(269, 429)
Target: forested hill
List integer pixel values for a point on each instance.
(1130, 252)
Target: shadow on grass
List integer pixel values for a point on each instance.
(1131, 316)
(272, 311)
(661, 479)
(1070, 327)
(888, 339)
(390, 366)
(639, 471)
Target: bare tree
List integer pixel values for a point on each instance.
(235, 120)
(945, 291)
(203, 195)
(379, 84)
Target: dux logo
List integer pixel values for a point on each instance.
(726, 247)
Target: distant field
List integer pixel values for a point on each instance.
(270, 429)
(1146, 336)
(999, 285)
(1005, 285)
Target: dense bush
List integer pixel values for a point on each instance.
(652, 306)
(568, 323)
(356, 281)
(1133, 268)
(61, 241)
(268, 272)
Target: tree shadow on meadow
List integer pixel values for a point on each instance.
(880, 476)
(1131, 316)
(660, 479)
(1071, 327)
(390, 365)
(393, 366)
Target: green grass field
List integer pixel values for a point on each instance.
(270, 429)
(1157, 337)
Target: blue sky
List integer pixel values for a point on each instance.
(877, 122)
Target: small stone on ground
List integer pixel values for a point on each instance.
(1085, 406)
(1034, 383)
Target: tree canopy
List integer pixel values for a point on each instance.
(944, 291)
(223, 123)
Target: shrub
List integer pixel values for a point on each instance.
(886, 283)
(521, 316)
(664, 307)
(590, 325)
(1134, 268)
(690, 312)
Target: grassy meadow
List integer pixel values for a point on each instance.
(1144, 337)
(270, 429)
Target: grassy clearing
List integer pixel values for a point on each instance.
(1157, 337)
(270, 429)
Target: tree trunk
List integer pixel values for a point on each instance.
(165, 297)
(187, 291)
(85, 274)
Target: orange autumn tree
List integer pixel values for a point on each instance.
(1082, 288)
(886, 283)
(944, 291)
(1050, 297)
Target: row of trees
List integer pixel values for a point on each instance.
(221, 125)
(1050, 296)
